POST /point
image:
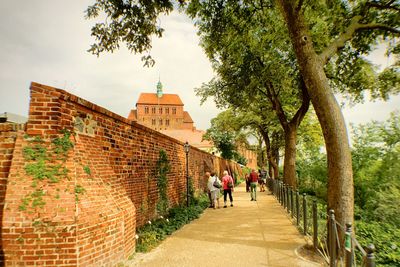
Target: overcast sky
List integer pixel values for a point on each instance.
(46, 41)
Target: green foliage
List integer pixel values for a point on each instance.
(152, 233)
(129, 22)
(385, 238)
(33, 200)
(376, 150)
(78, 190)
(163, 168)
(42, 167)
(35, 152)
(87, 170)
(240, 159)
(41, 171)
(63, 144)
(227, 133)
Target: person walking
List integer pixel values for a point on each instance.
(261, 181)
(208, 175)
(214, 185)
(227, 185)
(247, 178)
(253, 185)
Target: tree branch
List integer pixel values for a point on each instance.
(276, 104)
(301, 112)
(382, 7)
(299, 6)
(354, 26)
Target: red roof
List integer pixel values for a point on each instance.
(166, 99)
(132, 115)
(187, 118)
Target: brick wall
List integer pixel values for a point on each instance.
(90, 217)
(8, 135)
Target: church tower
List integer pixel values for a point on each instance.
(159, 89)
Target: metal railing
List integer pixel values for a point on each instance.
(313, 222)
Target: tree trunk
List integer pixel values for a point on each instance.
(275, 145)
(289, 164)
(272, 163)
(340, 174)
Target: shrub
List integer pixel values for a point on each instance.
(152, 233)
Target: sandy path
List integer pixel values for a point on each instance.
(248, 234)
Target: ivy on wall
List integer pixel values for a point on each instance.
(162, 169)
(43, 165)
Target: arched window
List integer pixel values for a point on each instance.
(146, 110)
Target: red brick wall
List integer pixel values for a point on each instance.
(8, 134)
(114, 161)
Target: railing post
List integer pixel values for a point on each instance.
(315, 224)
(348, 246)
(292, 202)
(289, 189)
(280, 192)
(305, 213)
(284, 196)
(370, 262)
(332, 239)
(273, 186)
(298, 207)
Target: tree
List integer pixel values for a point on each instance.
(248, 75)
(376, 150)
(351, 22)
(226, 134)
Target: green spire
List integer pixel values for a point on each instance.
(159, 89)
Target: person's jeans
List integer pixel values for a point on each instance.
(228, 192)
(253, 190)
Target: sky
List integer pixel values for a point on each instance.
(46, 41)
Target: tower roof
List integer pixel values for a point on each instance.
(165, 99)
(159, 89)
(187, 118)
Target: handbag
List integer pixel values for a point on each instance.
(217, 184)
(230, 184)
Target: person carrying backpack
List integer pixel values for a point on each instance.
(214, 185)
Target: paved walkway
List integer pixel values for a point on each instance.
(248, 234)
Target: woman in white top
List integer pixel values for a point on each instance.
(214, 190)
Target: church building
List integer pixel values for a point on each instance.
(161, 111)
(165, 113)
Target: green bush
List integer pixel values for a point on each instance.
(385, 238)
(155, 231)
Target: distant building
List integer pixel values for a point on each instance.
(165, 113)
(13, 118)
(161, 111)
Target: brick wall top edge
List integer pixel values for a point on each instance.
(12, 127)
(80, 101)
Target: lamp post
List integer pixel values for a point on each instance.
(186, 147)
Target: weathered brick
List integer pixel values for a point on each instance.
(120, 192)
